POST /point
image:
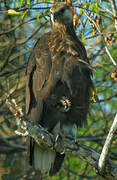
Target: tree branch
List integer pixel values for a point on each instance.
(9, 51)
(107, 145)
(101, 34)
(11, 145)
(46, 139)
(114, 9)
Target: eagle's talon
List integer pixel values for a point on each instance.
(63, 152)
(66, 104)
(56, 138)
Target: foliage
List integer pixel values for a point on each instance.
(21, 24)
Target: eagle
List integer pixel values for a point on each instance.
(58, 87)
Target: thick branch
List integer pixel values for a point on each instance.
(85, 153)
(46, 139)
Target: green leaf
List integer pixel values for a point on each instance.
(87, 5)
(12, 12)
(38, 16)
(83, 40)
(21, 2)
(22, 15)
(28, 2)
(115, 36)
(81, 10)
(95, 7)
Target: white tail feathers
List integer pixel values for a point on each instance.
(43, 159)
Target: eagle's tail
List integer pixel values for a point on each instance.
(45, 160)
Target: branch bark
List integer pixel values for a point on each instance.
(46, 139)
(87, 154)
(107, 145)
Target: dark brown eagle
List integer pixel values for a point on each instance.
(58, 86)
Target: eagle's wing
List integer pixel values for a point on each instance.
(38, 75)
(38, 71)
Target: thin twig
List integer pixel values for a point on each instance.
(98, 29)
(17, 26)
(12, 145)
(10, 49)
(107, 51)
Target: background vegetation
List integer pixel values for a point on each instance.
(21, 24)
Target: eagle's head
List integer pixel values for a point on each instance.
(61, 14)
